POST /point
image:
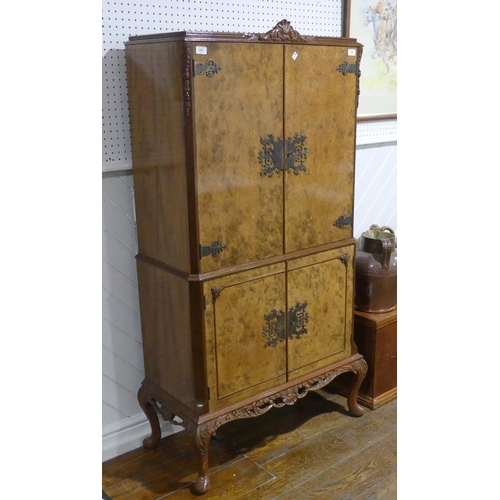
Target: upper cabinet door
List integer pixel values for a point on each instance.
(320, 122)
(238, 115)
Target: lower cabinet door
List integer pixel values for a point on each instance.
(320, 315)
(245, 332)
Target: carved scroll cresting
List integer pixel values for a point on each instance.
(283, 32)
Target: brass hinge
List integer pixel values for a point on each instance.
(345, 68)
(213, 249)
(210, 68)
(343, 221)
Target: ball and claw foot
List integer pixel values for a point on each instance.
(151, 442)
(202, 435)
(201, 484)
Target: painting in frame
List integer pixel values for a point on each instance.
(374, 24)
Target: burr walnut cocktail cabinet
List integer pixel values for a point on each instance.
(243, 157)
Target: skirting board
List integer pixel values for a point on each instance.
(128, 434)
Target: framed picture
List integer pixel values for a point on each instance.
(374, 24)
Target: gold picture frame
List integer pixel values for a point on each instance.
(374, 24)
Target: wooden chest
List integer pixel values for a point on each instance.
(243, 152)
(375, 335)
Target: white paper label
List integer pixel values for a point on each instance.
(295, 55)
(201, 50)
(351, 52)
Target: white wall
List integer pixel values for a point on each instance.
(375, 188)
(123, 422)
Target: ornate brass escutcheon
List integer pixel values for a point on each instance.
(345, 68)
(273, 159)
(297, 318)
(275, 329)
(296, 154)
(271, 155)
(209, 68)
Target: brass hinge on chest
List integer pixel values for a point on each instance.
(210, 68)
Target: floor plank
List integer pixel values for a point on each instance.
(383, 490)
(153, 480)
(351, 477)
(324, 451)
(313, 449)
(125, 466)
(229, 482)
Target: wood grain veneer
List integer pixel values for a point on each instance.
(234, 110)
(245, 279)
(320, 104)
(156, 104)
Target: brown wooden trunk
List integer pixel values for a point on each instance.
(376, 336)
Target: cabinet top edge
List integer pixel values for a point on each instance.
(212, 36)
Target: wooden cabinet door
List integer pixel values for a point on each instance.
(320, 299)
(240, 209)
(244, 354)
(320, 116)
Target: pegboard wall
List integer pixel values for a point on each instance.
(123, 19)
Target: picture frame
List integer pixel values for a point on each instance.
(374, 24)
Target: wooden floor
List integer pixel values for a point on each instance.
(313, 449)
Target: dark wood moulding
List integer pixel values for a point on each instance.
(281, 33)
(247, 266)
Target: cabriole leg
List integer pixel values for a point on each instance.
(145, 401)
(203, 434)
(359, 369)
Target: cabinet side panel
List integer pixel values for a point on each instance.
(166, 332)
(154, 76)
